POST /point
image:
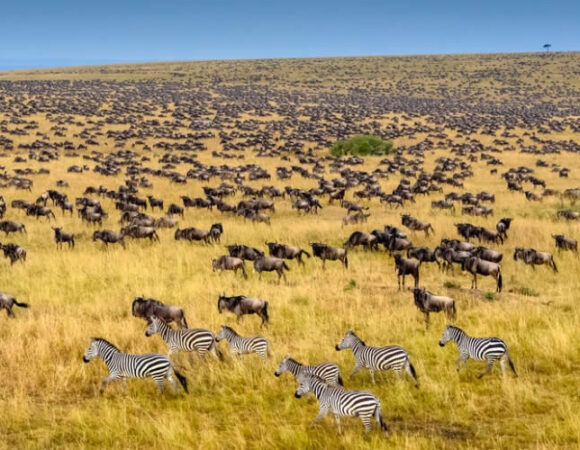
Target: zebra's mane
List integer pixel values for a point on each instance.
(98, 339)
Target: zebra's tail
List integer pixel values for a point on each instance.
(217, 351)
(340, 382)
(379, 417)
(554, 265)
(21, 304)
(181, 378)
(511, 363)
(413, 372)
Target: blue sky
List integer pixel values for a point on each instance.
(62, 32)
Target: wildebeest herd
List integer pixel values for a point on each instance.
(263, 172)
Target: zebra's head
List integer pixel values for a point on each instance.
(304, 386)
(448, 335)
(283, 367)
(223, 333)
(153, 327)
(348, 341)
(92, 351)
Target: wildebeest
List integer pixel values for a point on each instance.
(140, 232)
(7, 301)
(13, 252)
(565, 243)
(60, 237)
(174, 209)
(359, 217)
(229, 263)
(194, 234)
(327, 252)
(487, 254)
(241, 305)
(9, 226)
(285, 251)
(109, 237)
(415, 224)
(155, 202)
(568, 214)
(40, 211)
(451, 256)
(149, 307)
(271, 264)
(244, 252)
(367, 240)
(405, 267)
(477, 266)
(423, 254)
(427, 303)
(535, 258)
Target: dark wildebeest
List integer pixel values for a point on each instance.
(359, 217)
(109, 237)
(155, 202)
(395, 244)
(149, 307)
(367, 240)
(13, 252)
(241, 305)
(245, 252)
(487, 254)
(565, 243)
(194, 234)
(427, 303)
(468, 231)
(271, 264)
(175, 210)
(405, 267)
(423, 254)
(7, 301)
(486, 235)
(9, 226)
(535, 258)
(229, 263)
(416, 225)
(285, 251)
(477, 266)
(60, 237)
(140, 232)
(503, 225)
(40, 211)
(568, 214)
(325, 252)
(165, 222)
(450, 256)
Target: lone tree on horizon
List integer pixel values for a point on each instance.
(547, 47)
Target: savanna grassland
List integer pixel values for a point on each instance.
(284, 113)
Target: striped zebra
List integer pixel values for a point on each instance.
(342, 402)
(377, 358)
(184, 339)
(488, 349)
(240, 345)
(326, 371)
(122, 365)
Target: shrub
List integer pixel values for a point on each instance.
(362, 145)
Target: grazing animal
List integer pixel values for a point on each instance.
(367, 240)
(229, 263)
(241, 305)
(416, 225)
(194, 234)
(174, 209)
(423, 254)
(326, 252)
(140, 232)
(245, 252)
(285, 251)
(186, 340)
(7, 301)
(477, 266)
(13, 252)
(149, 307)
(428, 302)
(568, 214)
(405, 267)
(342, 402)
(391, 357)
(8, 226)
(109, 237)
(503, 225)
(60, 237)
(535, 258)
(487, 254)
(326, 371)
(481, 349)
(271, 264)
(240, 345)
(565, 243)
(123, 365)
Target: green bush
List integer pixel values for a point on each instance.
(362, 145)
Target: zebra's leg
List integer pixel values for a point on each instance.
(502, 364)
(159, 383)
(173, 382)
(110, 378)
(461, 361)
(487, 369)
(372, 372)
(366, 420)
(355, 369)
(337, 418)
(323, 411)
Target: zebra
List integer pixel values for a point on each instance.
(342, 402)
(184, 339)
(122, 365)
(488, 349)
(240, 345)
(377, 358)
(326, 371)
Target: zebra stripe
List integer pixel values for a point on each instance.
(122, 365)
(488, 349)
(184, 339)
(240, 345)
(391, 357)
(342, 402)
(327, 371)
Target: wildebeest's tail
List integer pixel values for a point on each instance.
(453, 310)
(285, 265)
(379, 417)
(499, 282)
(554, 264)
(305, 252)
(181, 378)
(345, 261)
(21, 304)
(265, 311)
(243, 267)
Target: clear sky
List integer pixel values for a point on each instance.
(51, 33)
